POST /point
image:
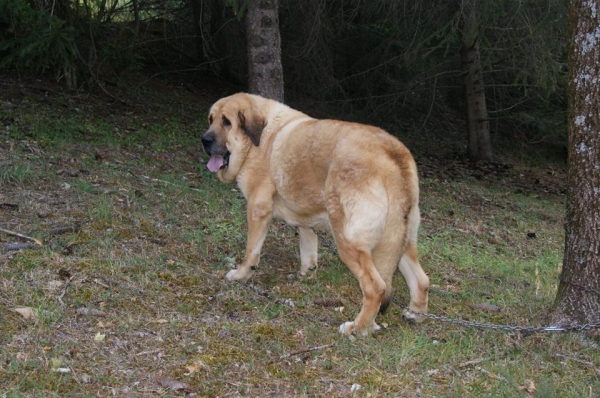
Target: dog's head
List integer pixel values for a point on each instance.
(235, 125)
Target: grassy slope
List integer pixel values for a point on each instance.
(153, 234)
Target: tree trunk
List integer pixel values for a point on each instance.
(198, 18)
(478, 126)
(265, 74)
(578, 297)
(136, 19)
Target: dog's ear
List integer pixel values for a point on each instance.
(252, 123)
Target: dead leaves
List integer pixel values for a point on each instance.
(529, 387)
(26, 312)
(195, 367)
(99, 337)
(31, 314)
(58, 365)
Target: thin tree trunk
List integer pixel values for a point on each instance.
(478, 126)
(265, 73)
(578, 297)
(136, 20)
(197, 15)
(101, 10)
(61, 9)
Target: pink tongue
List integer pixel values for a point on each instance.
(215, 162)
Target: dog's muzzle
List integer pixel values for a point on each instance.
(219, 155)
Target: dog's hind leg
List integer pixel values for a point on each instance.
(416, 279)
(372, 285)
(357, 220)
(309, 242)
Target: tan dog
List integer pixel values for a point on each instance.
(356, 180)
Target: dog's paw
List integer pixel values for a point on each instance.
(349, 328)
(304, 271)
(372, 328)
(239, 275)
(232, 275)
(412, 317)
(308, 266)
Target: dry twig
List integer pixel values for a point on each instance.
(491, 375)
(65, 229)
(579, 361)
(165, 182)
(310, 349)
(471, 362)
(6, 231)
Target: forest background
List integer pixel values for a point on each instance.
(387, 61)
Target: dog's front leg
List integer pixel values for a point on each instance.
(259, 218)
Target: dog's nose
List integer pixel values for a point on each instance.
(207, 139)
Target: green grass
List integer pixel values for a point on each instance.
(15, 174)
(158, 234)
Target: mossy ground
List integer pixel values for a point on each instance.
(152, 234)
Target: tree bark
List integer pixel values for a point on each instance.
(265, 73)
(479, 145)
(578, 297)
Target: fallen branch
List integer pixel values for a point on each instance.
(17, 246)
(65, 229)
(36, 241)
(291, 354)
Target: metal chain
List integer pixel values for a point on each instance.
(462, 322)
(482, 325)
(510, 328)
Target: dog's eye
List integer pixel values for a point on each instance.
(210, 119)
(226, 121)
